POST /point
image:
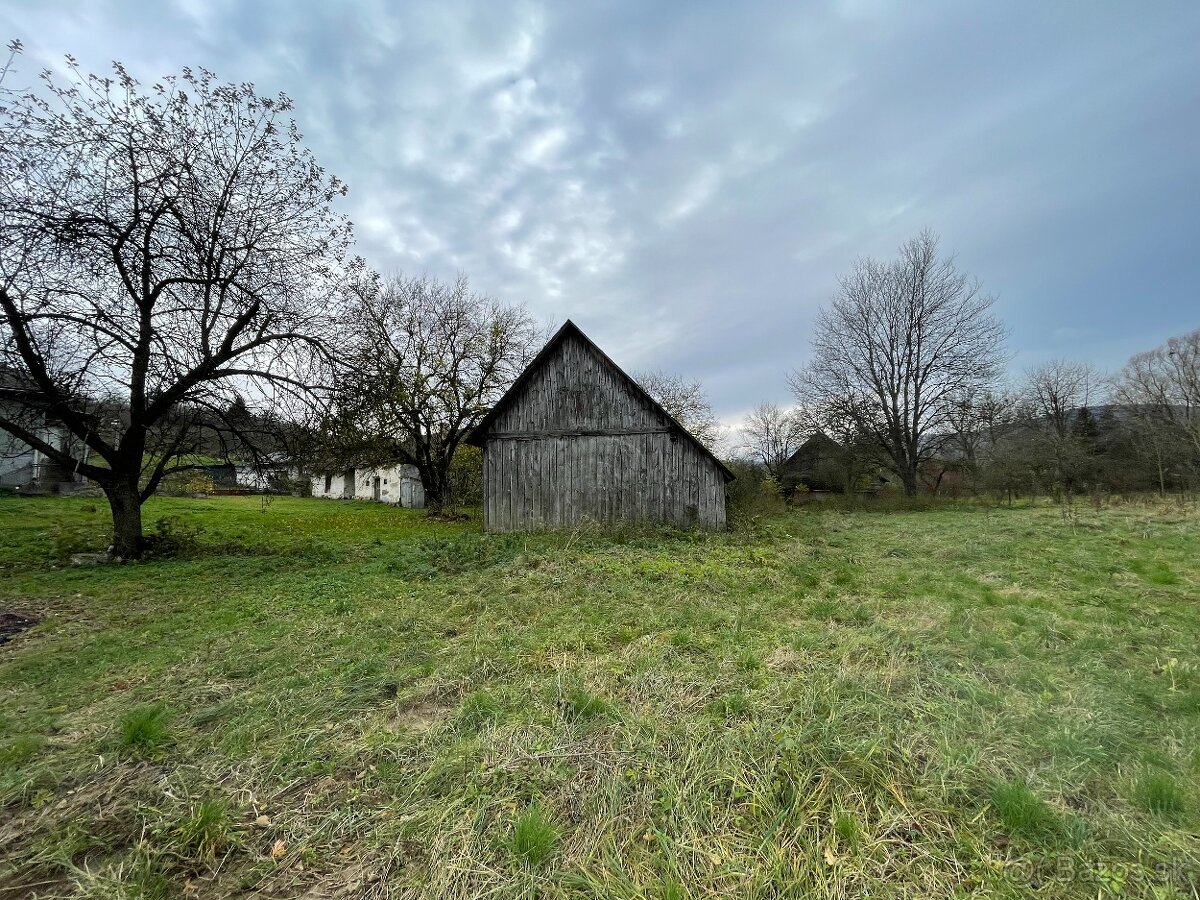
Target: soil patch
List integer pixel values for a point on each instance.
(12, 624)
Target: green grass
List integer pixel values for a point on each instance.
(344, 699)
(144, 729)
(1022, 812)
(533, 837)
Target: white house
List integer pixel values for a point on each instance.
(271, 476)
(23, 466)
(399, 484)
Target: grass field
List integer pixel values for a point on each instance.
(336, 699)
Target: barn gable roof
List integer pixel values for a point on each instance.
(478, 435)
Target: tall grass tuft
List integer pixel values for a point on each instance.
(582, 705)
(533, 836)
(205, 831)
(144, 728)
(479, 708)
(1159, 792)
(1024, 813)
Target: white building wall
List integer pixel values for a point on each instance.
(400, 485)
(265, 480)
(22, 465)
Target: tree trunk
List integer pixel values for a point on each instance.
(437, 488)
(909, 477)
(126, 504)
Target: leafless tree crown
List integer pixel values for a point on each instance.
(771, 434)
(164, 250)
(423, 362)
(687, 402)
(898, 347)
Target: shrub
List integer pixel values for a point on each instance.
(198, 483)
(752, 494)
(173, 538)
(466, 476)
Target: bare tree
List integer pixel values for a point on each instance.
(1160, 390)
(423, 363)
(897, 345)
(771, 435)
(1058, 396)
(976, 421)
(686, 401)
(162, 251)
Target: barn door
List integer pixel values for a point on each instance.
(375, 490)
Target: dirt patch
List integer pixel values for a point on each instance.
(785, 660)
(12, 624)
(420, 718)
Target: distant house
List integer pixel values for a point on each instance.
(274, 474)
(821, 464)
(398, 484)
(22, 466)
(577, 440)
(817, 464)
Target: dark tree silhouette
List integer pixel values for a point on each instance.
(422, 362)
(897, 346)
(163, 251)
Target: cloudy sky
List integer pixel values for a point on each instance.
(687, 180)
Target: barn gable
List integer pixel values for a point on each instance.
(577, 440)
(572, 387)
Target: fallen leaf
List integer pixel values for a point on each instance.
(830, 856)
(264, 821)
(278, 849)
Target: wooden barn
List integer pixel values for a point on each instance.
(576, 440)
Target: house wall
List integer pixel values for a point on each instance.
(399, 484)
(21, 465)
(267, 479)
(578, 445)
(336, 489)
(17, 460)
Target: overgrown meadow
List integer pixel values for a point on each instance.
(328, 699)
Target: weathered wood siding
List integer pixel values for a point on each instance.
(577, 445)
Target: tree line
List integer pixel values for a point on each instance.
(907, 381)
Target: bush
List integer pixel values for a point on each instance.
(466, 476)
(754, 493)
(172, 538)
(198, 483)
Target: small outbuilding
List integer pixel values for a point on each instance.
(398, 484)
(576, 440)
